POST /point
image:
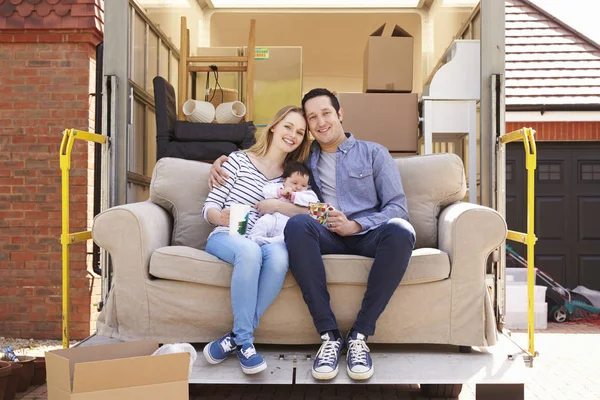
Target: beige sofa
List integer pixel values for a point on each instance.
(167, 288)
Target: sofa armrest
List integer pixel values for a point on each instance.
(131, 233)
(469, 233)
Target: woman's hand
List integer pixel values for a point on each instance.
(217, 173)
(338, 223)
(268, 206)
(224, 217)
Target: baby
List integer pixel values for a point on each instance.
(269, 227)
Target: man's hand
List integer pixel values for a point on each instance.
(217, 173)
(286, 193)
(338, 223)
(224, 218)
(268, 206)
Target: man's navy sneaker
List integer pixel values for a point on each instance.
(250, 360)
(218, 350)
(325, 366)
(360, 364)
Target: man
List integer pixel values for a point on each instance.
(361, 181)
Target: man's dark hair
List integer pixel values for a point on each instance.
(294, 166)
(321, 92)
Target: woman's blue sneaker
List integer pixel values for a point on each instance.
(250, 360)
(218, 350)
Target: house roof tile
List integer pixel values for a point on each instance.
(42, 14)
(547, 61)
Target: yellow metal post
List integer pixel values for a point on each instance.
(66, 238)
(65, 166)
(529, 238)
(530, 165)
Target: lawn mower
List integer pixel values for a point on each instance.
(563, 304)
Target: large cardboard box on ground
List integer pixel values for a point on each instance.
(390, 119)
(388, 62)
(117, 372)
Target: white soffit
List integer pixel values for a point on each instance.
(315, 3)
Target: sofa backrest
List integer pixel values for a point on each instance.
(180, 187)
(430, 183)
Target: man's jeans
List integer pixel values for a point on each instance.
(258, 274)
(391, 245)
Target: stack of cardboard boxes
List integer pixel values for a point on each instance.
(386, 112)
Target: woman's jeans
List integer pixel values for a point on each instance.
(258, 274)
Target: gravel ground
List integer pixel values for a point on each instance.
(31, 347)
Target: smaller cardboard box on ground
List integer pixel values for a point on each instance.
(388, 62)
(390, 119)
(117, 371)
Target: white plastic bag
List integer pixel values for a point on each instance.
(179, 348)
(592, 295)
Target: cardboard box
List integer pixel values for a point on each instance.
(388, 62)
(390, 119)
(224, 96)
(117, 371)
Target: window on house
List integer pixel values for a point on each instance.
(590, 172)
(509, 171)
(548, 171)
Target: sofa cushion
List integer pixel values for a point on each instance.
(430, 183)
(186, 264)
(181, 186)
(240, 134)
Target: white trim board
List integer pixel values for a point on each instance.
(552, 116)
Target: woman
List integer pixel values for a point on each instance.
(258, 271)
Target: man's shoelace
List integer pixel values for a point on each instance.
(328, 352)
(249, 352)
(227, 345)
(357, 350)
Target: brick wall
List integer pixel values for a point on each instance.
(46, 80)
(560, 131)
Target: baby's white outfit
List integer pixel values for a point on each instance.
(269, 227)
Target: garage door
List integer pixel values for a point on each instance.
(567, 218)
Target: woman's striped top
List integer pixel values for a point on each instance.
(244, 186)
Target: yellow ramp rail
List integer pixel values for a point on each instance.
(67, 238)
(526, 136)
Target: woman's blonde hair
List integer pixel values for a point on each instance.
(264, 137)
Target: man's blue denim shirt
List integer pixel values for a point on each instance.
(368, 184)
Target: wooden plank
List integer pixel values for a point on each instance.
(250, 73)
(183, 74)
(216, 59)
(224, 68)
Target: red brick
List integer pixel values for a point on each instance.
(52, 38)
(30, 250)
